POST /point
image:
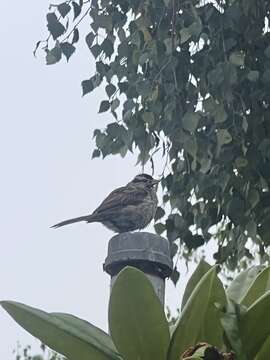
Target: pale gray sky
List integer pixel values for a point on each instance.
(47, 176)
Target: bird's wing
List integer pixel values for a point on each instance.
(120, 197)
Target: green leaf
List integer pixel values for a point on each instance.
(66, 334)
(223, 137)
(230, 324)
(258, 287)
(63, 9)
(96, 153)
(202, 268)
(191, 146)
(104, 21)
(253, 76)
(239, 287)
(159, 213)
(159, 228)
(266, 76)
(104, 106)
(87, 86)
(168, 44)
(54, 55)
(89, 39)
(67, 49)
(110, 89)
(237, 58)
(255, 326)
(76, 36)
(54, 26)
(241, 162)
(96, 50)
(190, 121)
(184, 35)
(267, 52)
(76, 9)
(136, 318)
(264, 350)
(149, 118)
(216, 109)
(107, 47)
(114, 130)
(175, 276)
(253, 197)
(115, 103)
(195, 28)
(200, 318)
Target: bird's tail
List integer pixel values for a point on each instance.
(71, 221)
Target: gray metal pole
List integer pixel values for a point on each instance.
(147, 252)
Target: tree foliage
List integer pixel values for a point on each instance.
(191, 80)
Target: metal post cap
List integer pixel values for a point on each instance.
(145, 251)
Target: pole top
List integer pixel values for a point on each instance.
(145, 251)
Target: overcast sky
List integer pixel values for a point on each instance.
(47, 175)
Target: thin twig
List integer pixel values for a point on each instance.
(77, 24)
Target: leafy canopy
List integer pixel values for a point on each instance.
(190, 79)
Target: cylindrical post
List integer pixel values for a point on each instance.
(147, 252)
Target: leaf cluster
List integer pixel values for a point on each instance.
(191, 81)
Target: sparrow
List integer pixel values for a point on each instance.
(126, 208)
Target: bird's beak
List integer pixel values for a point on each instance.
(155, 182)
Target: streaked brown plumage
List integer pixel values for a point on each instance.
(127, 208)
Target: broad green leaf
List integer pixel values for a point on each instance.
(137, 321)
(259, 287)
(202, 268)
(200, 318)
(239, 287)
(66, 334)
(264, 350)
(230, 323)
(255, 326)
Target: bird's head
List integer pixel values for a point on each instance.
(144, 181)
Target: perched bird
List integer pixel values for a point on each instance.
(127, 208)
